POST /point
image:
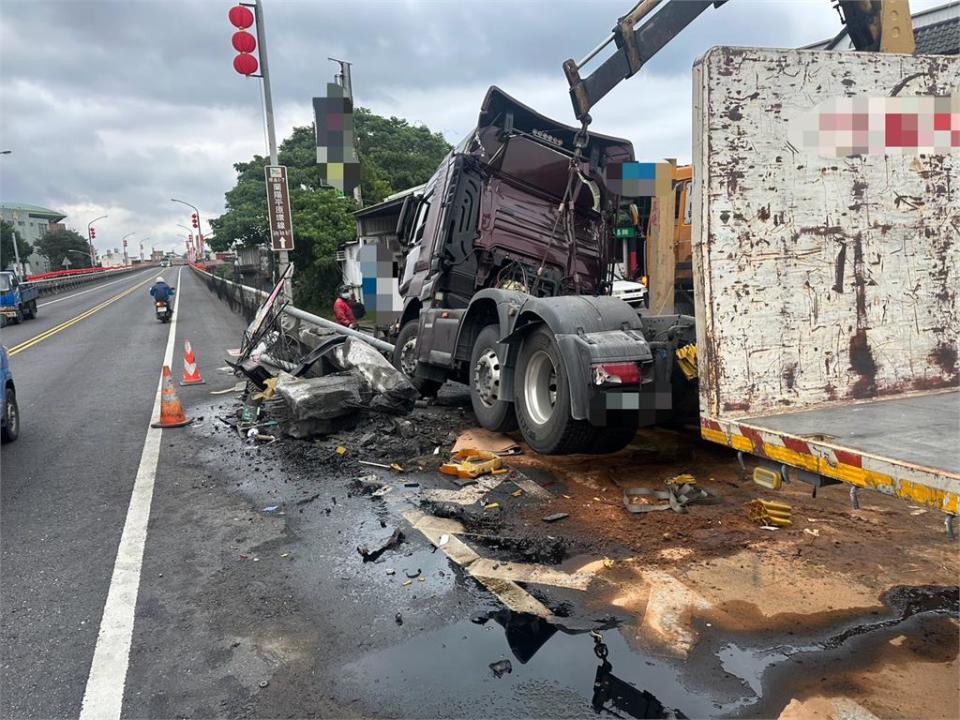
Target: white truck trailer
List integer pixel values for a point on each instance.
(826, 247)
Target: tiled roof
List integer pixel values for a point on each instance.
(942, 38)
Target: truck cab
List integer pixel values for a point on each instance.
(507, 283)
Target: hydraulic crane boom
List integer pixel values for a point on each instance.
(873, 25)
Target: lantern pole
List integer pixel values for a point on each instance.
(284, 258)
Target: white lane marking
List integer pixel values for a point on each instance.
(103, 697)
(83, 292)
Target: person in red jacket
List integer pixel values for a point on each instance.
(342, 310)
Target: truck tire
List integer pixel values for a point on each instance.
(11, 418)
(543, 399)
(620, 429)
(31, 310)
(493, 413)
(18, 318)
(405, 359)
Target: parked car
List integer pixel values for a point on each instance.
(10, 421)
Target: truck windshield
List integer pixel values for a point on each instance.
(6, 282)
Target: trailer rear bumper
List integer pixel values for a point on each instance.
(905, 446)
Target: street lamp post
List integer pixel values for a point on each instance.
(199, 224)
(190, 246)
(123, 241)
(93, 250)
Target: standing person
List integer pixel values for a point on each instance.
(342, 310)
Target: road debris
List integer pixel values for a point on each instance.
(501, 668)
(769, 513)
(471, 463)
(487, 441)
(412, 574)
(372, 555)
(555, 517)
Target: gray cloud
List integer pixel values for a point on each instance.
(116, 106)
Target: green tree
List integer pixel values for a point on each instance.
(60, 244)
(7, 235)
(394, 155)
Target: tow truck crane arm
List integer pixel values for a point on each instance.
(873, 25)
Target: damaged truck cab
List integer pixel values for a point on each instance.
(507, 281)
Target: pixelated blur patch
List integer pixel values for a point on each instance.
(638, 179)
(890, 126)
(336, 154)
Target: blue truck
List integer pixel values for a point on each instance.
(10, 421)
(18, 299)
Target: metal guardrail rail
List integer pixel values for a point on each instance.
(55, 285)
(249, 299)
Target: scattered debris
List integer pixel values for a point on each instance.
(398, 618)
(371, 555)
(492, 506)
(555, 517)
(471, 463)
(412, 574)
(769, 513)
(391, 571)
(501, 668)
(407, 583)
(486, 441)
(272, 508)
(341, 450)
(320, 398)
(681, 491)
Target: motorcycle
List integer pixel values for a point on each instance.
(164, 313)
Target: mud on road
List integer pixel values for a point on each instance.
(484, 609)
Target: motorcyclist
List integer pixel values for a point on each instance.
(160, 291)
(342, 310)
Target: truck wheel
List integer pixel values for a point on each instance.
(492, 412)
(543, 402)
(620, 429)
(18, 318)
(405, 359)
(11, 418)
(31, 310)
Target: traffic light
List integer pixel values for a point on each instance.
(93, 233)
(195, 220)
(243, 42)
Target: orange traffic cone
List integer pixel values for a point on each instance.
(191, 371)
(171, 411)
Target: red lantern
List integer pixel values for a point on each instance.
(244, 42)
(240, 17)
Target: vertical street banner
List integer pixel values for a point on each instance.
(336, 153)
(278, 204)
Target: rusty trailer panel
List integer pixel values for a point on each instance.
(826, 259)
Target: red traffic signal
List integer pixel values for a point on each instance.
(195, 220)
(93, 233)
(243, 42)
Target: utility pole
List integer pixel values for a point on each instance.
(16, 251)
(284, 255)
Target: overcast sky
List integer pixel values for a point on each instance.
(113, 107)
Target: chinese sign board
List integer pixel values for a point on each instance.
(278, 204)
(336, 153)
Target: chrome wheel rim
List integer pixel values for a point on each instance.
(540, 387)
(486, 377)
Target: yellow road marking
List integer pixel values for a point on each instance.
(72, 321)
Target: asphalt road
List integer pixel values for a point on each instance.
(86, 394)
